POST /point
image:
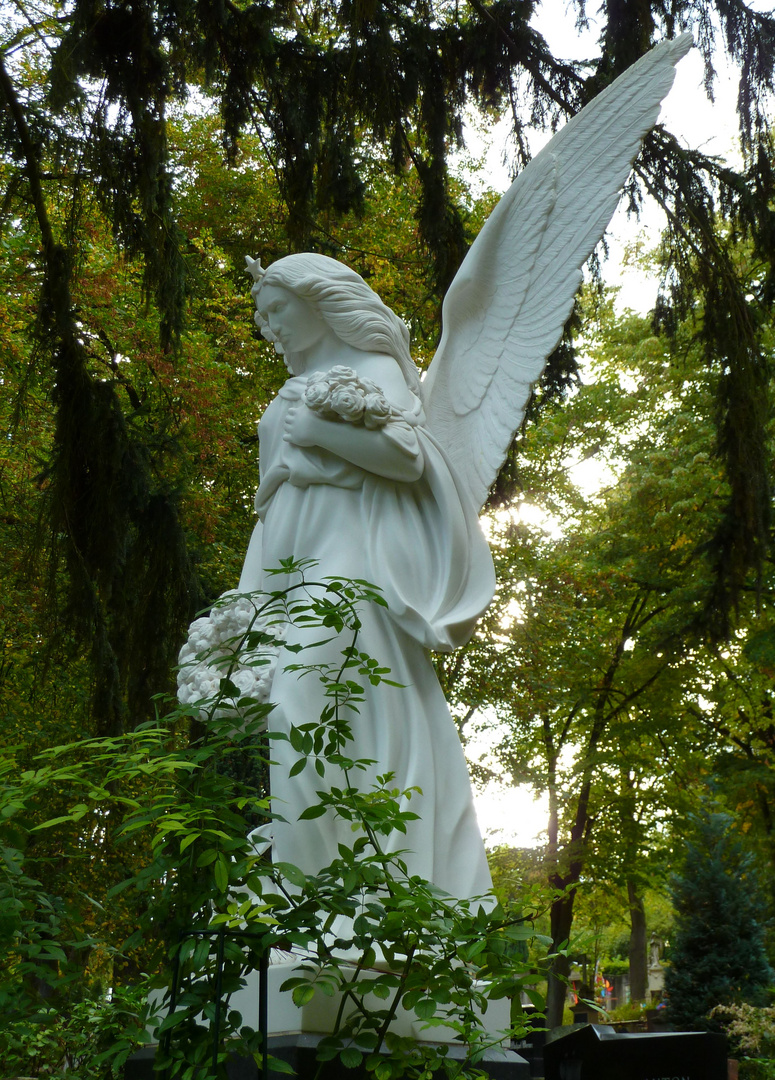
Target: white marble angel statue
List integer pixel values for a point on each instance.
(379, 475)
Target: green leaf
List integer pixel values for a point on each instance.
(276, 1064)
(425, 1009)
(52, 952)
(351, 1057)
(296, 876)
(328, 1049)
(51, 822)
(311, 812)
(221, 874)
(536, 998)
(303, 994)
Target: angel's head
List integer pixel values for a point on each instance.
(347, 306)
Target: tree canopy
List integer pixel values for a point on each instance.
(611, 700)
(332, 92)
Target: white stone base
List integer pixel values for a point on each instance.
(318, 1016)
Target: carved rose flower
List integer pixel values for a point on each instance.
(316, 393)
(341, 375)
(340, 394)
(318, 377)
(376, 410)
(244, 679)
(220, 637)
(347, 402)
(199, 637)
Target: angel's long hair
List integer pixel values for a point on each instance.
(348, 306)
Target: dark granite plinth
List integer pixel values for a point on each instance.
(298, 1050)
(140, 1067)
(531, 1048)
(597, 1052)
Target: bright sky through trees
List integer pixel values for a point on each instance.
(509, 814)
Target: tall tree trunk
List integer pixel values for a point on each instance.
(638, 952)
(561, 912)
(561, 923)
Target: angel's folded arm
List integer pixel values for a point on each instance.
(385, 451)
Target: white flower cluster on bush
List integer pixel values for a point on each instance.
(340, 394)
(216, 649)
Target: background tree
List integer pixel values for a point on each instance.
(596, 658)
(717, 955)
(736, 711)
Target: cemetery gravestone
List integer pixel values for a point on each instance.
(597, 1052)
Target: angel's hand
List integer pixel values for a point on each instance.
(367, 448)
(302, 426)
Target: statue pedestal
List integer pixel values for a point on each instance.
(294, 1033)
(299, 1052)
(318, 1016)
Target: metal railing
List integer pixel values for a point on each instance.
(221, 934)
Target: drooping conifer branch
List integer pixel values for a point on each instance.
(730, 327)
(27, 144)
(106, 518)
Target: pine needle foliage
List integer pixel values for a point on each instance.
(718, 957)
(106, 517)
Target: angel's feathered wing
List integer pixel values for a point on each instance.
(505, 311)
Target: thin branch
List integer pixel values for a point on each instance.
(30, 154)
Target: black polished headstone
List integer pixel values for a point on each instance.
(531, 1045)
(597, 1052)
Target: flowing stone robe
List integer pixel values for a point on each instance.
(421, 543)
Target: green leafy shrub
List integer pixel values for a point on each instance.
(633, 1010)
(188, 786)
(90, 1040)
(757, 1069)
(750, 1030)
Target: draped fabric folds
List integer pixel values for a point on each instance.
(421, 544)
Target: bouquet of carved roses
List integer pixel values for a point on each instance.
(340, 394)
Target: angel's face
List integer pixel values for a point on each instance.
(294, 325)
